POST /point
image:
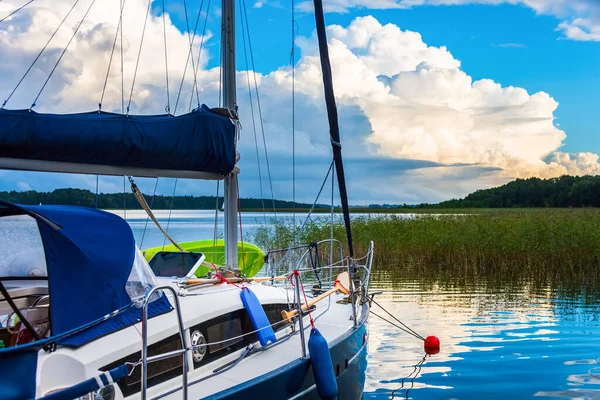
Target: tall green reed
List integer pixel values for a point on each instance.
(551, 245)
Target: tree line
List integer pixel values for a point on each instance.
(86, 198)
(565, 191)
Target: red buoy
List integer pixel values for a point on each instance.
(432, 345)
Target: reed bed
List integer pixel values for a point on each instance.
(550, 245)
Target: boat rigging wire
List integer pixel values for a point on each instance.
(216, 227)
(220, 102)
(200, 55)
(39, 54)
(190, 54)
(237, 183)
(293, 62)
(112, 52)
(96, 199)
(137, 63)
(331, 231)
(262, 199)
(260, 117)
(191, 40)
(308, 216)
(62, 54)
(17, 10)
(168, 109)
(124, 200)
(122, 77)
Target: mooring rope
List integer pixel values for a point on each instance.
(415, 372)
(140, 198)
(431, 345)
(169, 218)
(148, 217)
(404, 327)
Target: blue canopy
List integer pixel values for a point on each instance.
(89, 256)
(201, 141)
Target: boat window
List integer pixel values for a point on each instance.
(158, 372)
(219, 329)
(23, 257)
(23, 249)
(221, 332)
(225, 331)
(141, 279)
(173, 263)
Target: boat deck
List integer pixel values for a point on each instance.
(333, 319)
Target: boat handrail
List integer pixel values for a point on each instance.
(182, 336)
(347, 264)
(307, 251)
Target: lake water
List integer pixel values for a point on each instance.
(187, 225)
(499, 341)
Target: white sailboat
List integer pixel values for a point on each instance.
(88, 318)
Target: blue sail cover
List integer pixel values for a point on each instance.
(201, 141)
(89, 257)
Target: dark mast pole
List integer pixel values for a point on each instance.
(334, 128)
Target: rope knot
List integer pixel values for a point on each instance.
(223, 279)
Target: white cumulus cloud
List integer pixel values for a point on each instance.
(421, 105)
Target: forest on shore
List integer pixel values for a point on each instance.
(565, 191)
(562, 192)
(115, 201)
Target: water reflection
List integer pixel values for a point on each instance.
(499, 340)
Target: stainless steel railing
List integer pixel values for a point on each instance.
(184, 347)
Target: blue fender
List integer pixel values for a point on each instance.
(258, 317)
(322, 366)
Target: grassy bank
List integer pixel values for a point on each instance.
(401, 210)
(543, 244)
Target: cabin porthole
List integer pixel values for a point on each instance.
(198, 353)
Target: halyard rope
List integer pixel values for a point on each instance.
(140, 198)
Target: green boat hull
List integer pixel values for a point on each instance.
(251, 258)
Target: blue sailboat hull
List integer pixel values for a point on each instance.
(296, 381)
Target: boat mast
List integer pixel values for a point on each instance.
(229, 102)
(332, 115)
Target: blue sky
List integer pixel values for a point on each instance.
(437, 98)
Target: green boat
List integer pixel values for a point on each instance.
(251, 258)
